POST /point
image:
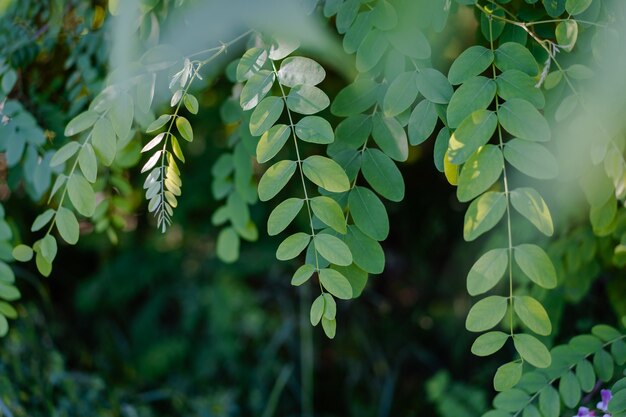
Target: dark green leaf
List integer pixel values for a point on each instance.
(368, 213)
(382, 174)
(475, 94)
(473, 61)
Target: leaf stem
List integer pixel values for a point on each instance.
(507, 194)
(299, 162)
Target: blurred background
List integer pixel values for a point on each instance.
(139, 323)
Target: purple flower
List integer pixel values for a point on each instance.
(585, 412)
(606, 397)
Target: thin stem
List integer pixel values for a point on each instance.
(506, 191)
(299, 162)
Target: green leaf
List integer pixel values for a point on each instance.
(255, 89)
(330, 307)
(326, 173)
(567, 34)
(409, 40)
(22, 253)
(368, 213)
(532, 350)
(158, 123)
(64, 153)
(355, 98)
(398, 97)
(184, 127)
(549, 402)
(536, 264)
(48, 248)
(283, 215)
(511, 400)
(390, 136)
(471, 62)
(7, 310)
(302, 274)
(228, 245)
(422, 122)
(4, 326)
(357, 32)
(441, 148)
(67, 225)
(382, 174)
(266, 114)
(121, 115)
(307, 99)
(483, 214)
(335, 283)
(292, 246)
(371, 50)
(521, 119)
(332, 249)
(81, 122)
(434, 86)
(618, 402)
(42, 220)
(88, 163)
(475, 94)
(6, 274)
(603, 364)
(251, 63)
(299, 70)
(531, 159)
(569, 388)
(367, 253)
(507, 376)
(586, 375)
(384, 15)
(329, 212)
(315, 129)
(81, 195)
(330, 327)
(9, 292)
(317, 310)
(575, 7)
(191, 103)
(474, 132)
(528, 203)
(275, 179)
(514, 84)
(486, 313)
(272, 142)
(480, 172)
(618, 350)
(489, 343)
(104, 141)
(487, 271)
(512, 55)
(532, 314)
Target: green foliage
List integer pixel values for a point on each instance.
(319, 151)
